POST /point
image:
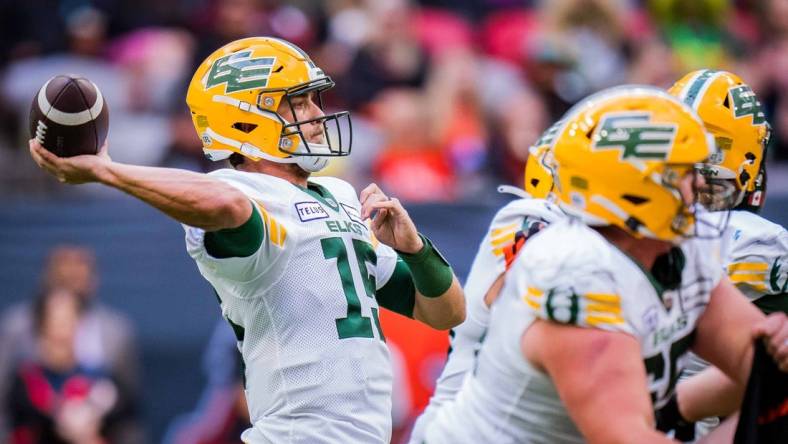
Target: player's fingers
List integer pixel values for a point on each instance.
(393, 206)
(41, 159)
(780, 354)
(777, 344)
(397, 208)
(36, 158)
(47, 156)
(368, 206)
(379, 220)
(769, 326)
(367, 191)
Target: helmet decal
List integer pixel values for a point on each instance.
(745, 103)
(635, 135)
(239, 72)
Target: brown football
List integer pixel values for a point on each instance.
(69, 116)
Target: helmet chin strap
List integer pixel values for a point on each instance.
(312, 164)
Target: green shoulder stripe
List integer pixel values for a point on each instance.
(237, 242)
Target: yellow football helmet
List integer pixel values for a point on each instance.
(539, 172)
(620, 155)
(733, 115)
(234, 96)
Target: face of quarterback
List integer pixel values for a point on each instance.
(303, 107)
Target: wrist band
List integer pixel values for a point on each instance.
(432, 274)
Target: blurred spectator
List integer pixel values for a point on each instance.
(592, 32)
(519, 126)
(131, 89)
(222, 21)
(771, 85)
(455, 114)
(653, 64)
(391, 55)
(103, 339)
(470, 61)
(185, 150)
(696, 31)
(548, 67)
(221, 414)
(411, 165)
(54, 398)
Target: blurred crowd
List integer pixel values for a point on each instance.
(446, 96)
(69, 367)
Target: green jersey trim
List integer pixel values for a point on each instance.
(399, 293)
(320, 193)
(242, 241)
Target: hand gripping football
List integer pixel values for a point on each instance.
(69, 116)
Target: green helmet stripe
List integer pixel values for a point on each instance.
(696, 88)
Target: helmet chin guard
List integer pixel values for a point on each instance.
(313, 162)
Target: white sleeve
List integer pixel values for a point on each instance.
(386, 262)
(759, 266)
(566, 276)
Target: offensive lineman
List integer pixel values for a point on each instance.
(582, 327)
(755, 250)
(298, 273)
(510, 228)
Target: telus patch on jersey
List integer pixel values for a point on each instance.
(310, 211)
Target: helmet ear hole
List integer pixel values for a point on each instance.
(590, 132)
(726, 103)
(535, 182)
(635, 200)
(245, 127)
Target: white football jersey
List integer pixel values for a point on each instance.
(570, 274)
(756, 255)
(510, 227)
(755, 258)
(316, 366)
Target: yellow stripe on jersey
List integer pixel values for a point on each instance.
(604, 298)
(747, 266)
(531, 298)
(749, 273)
(502, 250)
(276, 231)
(747, 277)
(603, 309)
(502, 239)
(595, 320)
(497, 231)
(506, 238)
